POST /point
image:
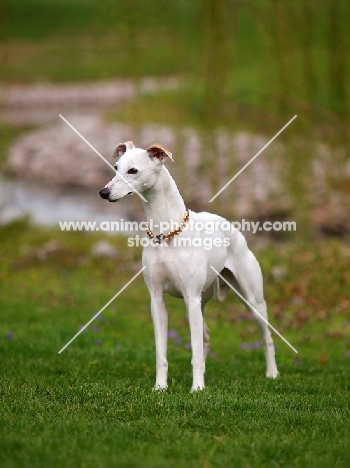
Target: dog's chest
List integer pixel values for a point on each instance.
(171, 266)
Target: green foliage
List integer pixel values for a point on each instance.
(78, 40)
(278, 56)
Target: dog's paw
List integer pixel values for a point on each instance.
(272, 375)
(199, 388)
(160, 388)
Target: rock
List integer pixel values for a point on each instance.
(48, 248)
(278, 272)
(104, 249)
(55, 155)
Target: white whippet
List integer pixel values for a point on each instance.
(185, 270)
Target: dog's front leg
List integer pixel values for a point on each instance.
(160, 323)
(195, 318)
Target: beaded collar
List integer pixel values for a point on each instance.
(170, 235)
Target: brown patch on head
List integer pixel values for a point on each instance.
(159, 152)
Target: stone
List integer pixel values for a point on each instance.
(104, 248)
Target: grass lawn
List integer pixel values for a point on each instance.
(93, 405)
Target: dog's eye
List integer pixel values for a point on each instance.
(133, 171)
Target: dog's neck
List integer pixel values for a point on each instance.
(165, 203)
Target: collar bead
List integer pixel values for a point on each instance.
(170, 235)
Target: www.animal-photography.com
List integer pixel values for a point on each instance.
(174, 232)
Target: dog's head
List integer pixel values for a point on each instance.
(136, 170)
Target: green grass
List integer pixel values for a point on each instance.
(93, 405)
(78, 40)
(83, 41)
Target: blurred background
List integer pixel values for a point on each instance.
(211, 80)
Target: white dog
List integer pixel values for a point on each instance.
(186, 269)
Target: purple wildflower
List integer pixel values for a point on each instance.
(255, 345)
(296, 361)
(177, 340)
(172, 334)
(9, 335)
(99, 317)
(188, 346)
(245, 346)
(212, 354)
(118, 347)
(347, 354)
(98, 343)
(96, 328)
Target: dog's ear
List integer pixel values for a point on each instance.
(122, 148)
(158, 153)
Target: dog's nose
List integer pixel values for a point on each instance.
(104, 193)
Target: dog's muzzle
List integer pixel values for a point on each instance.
(104, 193)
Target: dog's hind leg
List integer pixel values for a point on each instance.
(247, 279)
(206, 296)
(206, 333)
(260, 307)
